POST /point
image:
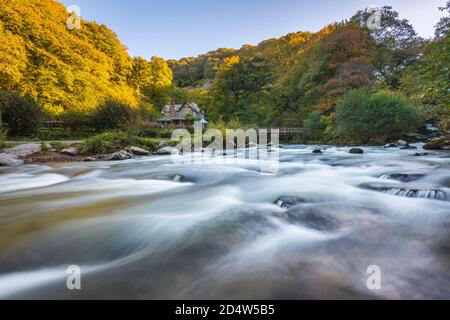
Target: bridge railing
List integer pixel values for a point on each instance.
(287, 131)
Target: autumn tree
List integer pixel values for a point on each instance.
(398, 44)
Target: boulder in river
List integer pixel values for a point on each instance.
(437, 144)
(408, 147)
(402, 143)
(89, 159)
(120, 155)
(421, 154)
(180, 178)
(356, 151)
(24, 150)
(390, 145)
(286, 202)
(317, 151)
(139, 151)
(71, 151)
(9, 160)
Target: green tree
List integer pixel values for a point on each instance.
(112, 115)
(313, 128)
(398, 44)
(428, 80)
(22, 116)
(363, 117)
(238, 86)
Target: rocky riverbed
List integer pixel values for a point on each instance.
(151, 228)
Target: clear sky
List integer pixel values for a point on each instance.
(173, 29)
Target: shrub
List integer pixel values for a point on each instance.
(44, 147)
(112, 115)
(112, 141)
(2, 133)
(21, 115)
(77, 121)
(362, 117)
(58, 146)
(313, 128)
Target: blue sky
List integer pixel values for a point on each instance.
(173, 29)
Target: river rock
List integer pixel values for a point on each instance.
(120, 155)
(402, 177)
(89, 159)
(356, 151)
(139, 151)
(286, 202)
(181, 178)
(72, 151)
(167, 151)
(9, 160)
(421, 154)
(408, 190)
(390, 145)
(408, 147)
(402, 143)
(437, 144)
(24, 150)
(317, 151)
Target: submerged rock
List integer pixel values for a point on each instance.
(9, 160)
(180, 178)
(120, 155)
(286, 202)
(421, 154)
(313, 219)
(331, 216)
(402, 177)
(356, 151)
(408, 190)
(24, 150)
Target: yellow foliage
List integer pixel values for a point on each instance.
(65, 70)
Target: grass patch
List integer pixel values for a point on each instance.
(58, 146)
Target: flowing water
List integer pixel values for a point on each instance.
(153, 229)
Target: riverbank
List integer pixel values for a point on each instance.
(123, 146)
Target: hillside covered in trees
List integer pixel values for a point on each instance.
(334, 83)
(298, 79)
(71, 70)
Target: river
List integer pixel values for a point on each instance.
(154, 229)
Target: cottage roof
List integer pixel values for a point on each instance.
(178, 107)
(174, 111)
